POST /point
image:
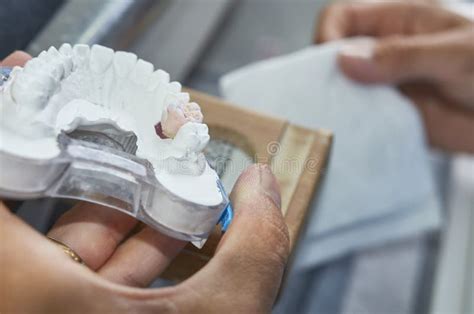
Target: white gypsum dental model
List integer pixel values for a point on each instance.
(82, 93)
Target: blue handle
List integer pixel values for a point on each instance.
(228, 213)
(4, 74)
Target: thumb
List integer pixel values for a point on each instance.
(247, 268)
(432, 57)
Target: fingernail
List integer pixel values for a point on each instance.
(360, 49)
(357, 61)
(269, 184)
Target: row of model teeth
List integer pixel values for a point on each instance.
(41, 76)
(125, 64)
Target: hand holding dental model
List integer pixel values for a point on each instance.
(428, 51)
(120, 258)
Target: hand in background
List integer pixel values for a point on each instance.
(243, 276)
(427, 51)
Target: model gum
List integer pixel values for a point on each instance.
(60, 91)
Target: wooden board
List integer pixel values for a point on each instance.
(297, 156)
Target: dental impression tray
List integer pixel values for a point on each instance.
(101, 126)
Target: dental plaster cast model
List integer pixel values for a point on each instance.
(99, 125)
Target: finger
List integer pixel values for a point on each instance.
(384, 19)
(334, 23)
(448, 127)
(18, 58)
(36, 276)
(252, 254)
(92, 231)
(141, 258)
(438, 57)
(26, 255)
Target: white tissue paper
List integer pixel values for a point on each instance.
(378, 186)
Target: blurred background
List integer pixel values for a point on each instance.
(199, 41)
